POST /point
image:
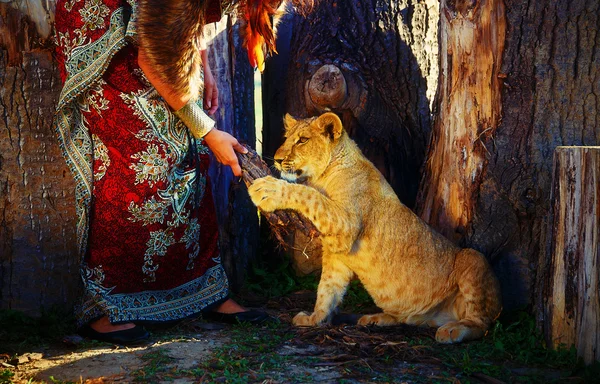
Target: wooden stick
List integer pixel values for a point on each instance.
(282, 222)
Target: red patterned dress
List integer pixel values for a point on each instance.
(147, 228)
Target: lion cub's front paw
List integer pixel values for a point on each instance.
(266, 193)
(303, 319)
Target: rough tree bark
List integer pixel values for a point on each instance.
(468, 110)
(571, 283)
(381, 53)
(372, 62)
(550, 82)
(238, 222)
(537, 92)
(38, 252)
(37, 215)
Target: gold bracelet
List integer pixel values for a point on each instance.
(195, 119)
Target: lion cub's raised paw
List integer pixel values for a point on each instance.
(266, 193)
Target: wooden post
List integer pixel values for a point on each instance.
(571, 262)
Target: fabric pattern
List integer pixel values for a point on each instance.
(147, 228)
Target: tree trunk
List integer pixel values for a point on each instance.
(548, 81)
(504, 102)
(38, 252)
(374, 63)
(571, 268)
(238, 221)
(468, 111)
(37, 214)
(370, 46)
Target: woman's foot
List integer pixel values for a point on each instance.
(229, 306)
(233, 313)
(103, 330)
(103, 325)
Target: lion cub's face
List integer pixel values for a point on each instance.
(308, 146)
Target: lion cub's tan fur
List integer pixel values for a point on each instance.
(415, 275)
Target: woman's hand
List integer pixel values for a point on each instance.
(211, 93)
(224, 146)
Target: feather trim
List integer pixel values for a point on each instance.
(169, 32)
(258, 30)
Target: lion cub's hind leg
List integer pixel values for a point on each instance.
(459, 331)
(477, 303)
(381, 319)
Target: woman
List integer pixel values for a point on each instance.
(137, 141)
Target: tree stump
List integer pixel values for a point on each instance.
(571, 264)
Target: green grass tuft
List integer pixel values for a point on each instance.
(156, 364)
(276, 281)
(19, 331)
(6, 376)
(514, 351)
(250, 356)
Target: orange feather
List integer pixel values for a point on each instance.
(260, 38)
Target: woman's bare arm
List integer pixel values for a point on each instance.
(222, 144)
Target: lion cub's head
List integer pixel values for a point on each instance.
(308, 146)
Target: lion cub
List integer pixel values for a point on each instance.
(415, 275)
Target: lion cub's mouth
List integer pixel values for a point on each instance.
(297, 176)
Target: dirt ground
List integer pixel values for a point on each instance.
(180, 351)
(106, 363)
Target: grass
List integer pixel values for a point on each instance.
(279, 280)
(20, 332)
(513, 351)
(251, 355)
(6, 376)
(156, 367)
(272, 282)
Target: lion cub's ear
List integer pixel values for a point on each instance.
(331, 125)
(288, 121)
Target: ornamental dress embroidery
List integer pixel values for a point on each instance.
(146, 230)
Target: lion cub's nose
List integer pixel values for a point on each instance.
(278, 159)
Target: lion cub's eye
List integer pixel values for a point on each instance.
(302, 140)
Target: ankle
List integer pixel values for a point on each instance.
(103, 325)
(229, 306)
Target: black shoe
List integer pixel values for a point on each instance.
(252, 316)
(124, 337)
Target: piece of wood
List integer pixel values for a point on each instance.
(571, 269)
(282, 222)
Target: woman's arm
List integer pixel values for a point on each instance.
(211, 92)
(222, 144)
